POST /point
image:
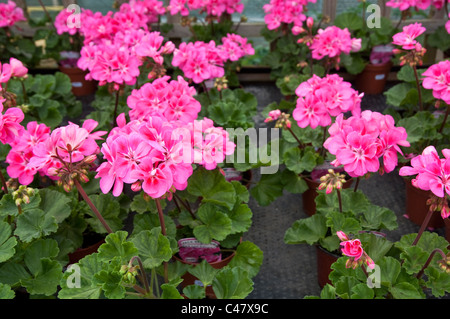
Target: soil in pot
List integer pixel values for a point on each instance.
(417, 208)
(372, 79)
(324, 261)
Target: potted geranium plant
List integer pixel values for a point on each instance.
(417, 99)
(319, 102)
(372, 63)
(358, 143)
(415, 266)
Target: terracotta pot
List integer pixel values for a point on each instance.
(189, 279)
(372, 79)
(80, 253)
(80, 86)
(324, 261)
(417, 208)
(309, 196)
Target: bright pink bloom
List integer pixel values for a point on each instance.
(10, 14)
(437, 78)
(332, 42)
(360, 141)
(10, 126)
(352, 248)
(17, 68)
(273, 116)
(407, 38)
(289, 12)
(212, 7)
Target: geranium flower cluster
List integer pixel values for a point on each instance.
(10, 14)
(214, 8)
(14, 68)
(403, 5)
(352, 248)
(432, 174)
(320, 99)
(174, 99)
(118, 60)
(64, 154)
(156, 155)
(10, 123)
(332, 41)
(437, 78)
(407, 40)
(360, 142)
(280, 11)
(201, 61)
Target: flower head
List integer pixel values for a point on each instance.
(352, 248)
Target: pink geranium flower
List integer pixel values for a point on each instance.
(437, 78)
(407, 38)
(352, 248)
(10, 14)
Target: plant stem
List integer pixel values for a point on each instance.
(163, 231)
(436, 250)
(115, 107)
(142, 270)
(423, 226)
(92, 206)
(296, 138)
(445, 119)
(24, 92)
(357, 183)
(206, 91)
(339, 199)
(46, 13)
(185, 205)
(5, 186)
(418, 87)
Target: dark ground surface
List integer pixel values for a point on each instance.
(290, 271)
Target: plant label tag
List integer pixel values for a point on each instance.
(77, 84)
(379, 77)
(193, 251)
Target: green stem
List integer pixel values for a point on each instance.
(445, 119)
(143, 274)
(423, 226)
(115, 107)
(418, 88)
(163, 231)
(357, 183)
(339, 199)
(24, 92)
(92, 206)
(296, 138)
(436, 250)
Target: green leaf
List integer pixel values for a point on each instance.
(194, 292)
(109, 208)
(153, 247)
(377, 218)
(142, 204)
(8, 206)
(338, 222)
(169, 291)
(216, 224)
(87, 289)
(438, 281)
(7, 243)
(12, 273)
(204, 272)
(396, 94)
(116, 245)
(362, 291)
(249, 257)
(389, 270)
(293, 182)
(232, 283)
(268, 188)
(306, 231)
(41, 248)
(6, 292)
(212, 186)
(45, 279)
(63, 84)
(328, 292)
(111, 283)
(349, 20)
(34, 223)
(414, 258)
(345, 285)
(241, 219)
(54, 203)
(149, 221)
(406, 74)
(299, 161)
(405, 290)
